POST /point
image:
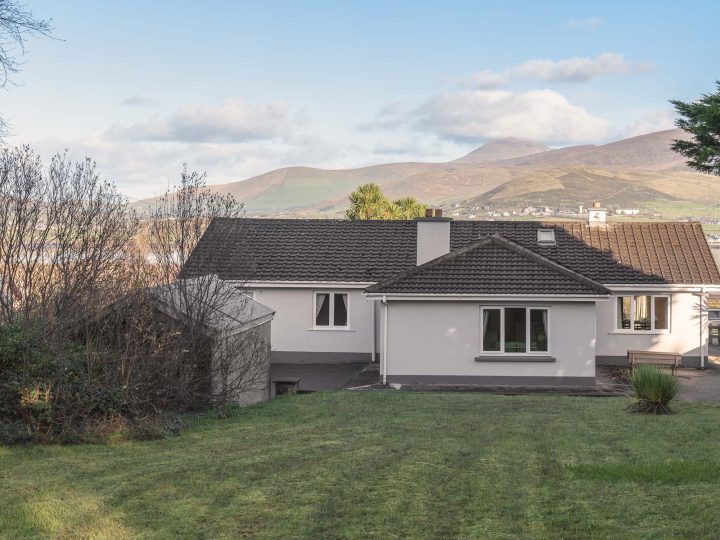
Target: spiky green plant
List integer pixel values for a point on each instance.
(653, 389)
(369, 202)
(407, 208)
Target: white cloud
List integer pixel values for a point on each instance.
(576, 69)
(588, 24)
(139, 101)
(234, 121)
(147, 168)
(540, 115)
(486, 78)
(658, 120)
(387, 118)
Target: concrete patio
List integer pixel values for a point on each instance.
(321, 377)
(695, 384)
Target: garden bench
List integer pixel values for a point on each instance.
(669, 359)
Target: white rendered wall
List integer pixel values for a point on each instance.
(683, 337)
(433, 239)
(292, 327)
(253, 346)
(443, 339)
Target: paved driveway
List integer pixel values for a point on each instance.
(697, 385)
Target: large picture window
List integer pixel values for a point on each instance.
(331, 310)
(514, 330)
(642, 313)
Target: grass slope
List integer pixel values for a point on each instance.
(384, 465)
(569, 187)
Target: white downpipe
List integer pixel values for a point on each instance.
(385, 342)
(374, 332)
(702, 328)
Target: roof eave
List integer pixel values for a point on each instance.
(486, 297)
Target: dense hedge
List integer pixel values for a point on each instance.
(69, 390)
(47, 390)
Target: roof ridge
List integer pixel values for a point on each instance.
(314, 220)
(433, 262)
(549, 263)
(501, 241)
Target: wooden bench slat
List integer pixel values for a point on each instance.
(671, 359)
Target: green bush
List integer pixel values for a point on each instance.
(47, 390)
(653, 389)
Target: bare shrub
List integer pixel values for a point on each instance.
(94, 324)
(64, 239)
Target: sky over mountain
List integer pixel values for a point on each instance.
(240, 88)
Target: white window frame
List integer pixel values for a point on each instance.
(331, 311)
(617, 325)
(502, 352)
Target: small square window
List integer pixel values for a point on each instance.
(331, 309)
(546, 237)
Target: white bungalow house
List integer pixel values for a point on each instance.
(496, 302)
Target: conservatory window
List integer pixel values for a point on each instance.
(514, 330)
(643, 313)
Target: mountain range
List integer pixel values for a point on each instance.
(639, 172)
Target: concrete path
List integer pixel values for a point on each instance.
(697, 385)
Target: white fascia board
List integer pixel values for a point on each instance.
(664, 287)
(248, 326)
(488, 297)
(302, 284)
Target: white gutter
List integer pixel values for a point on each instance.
(385, 343)
(487, 297)
(301, 284)
(639, 287)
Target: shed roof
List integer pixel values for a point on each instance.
(219, 306)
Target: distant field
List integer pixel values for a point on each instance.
(679, 209)
(384, 465)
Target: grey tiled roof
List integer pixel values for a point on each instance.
(493, 265)
(617, 253)
(304, 250)
(370, 251)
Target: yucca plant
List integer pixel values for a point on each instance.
(653, 389)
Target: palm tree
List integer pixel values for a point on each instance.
(407, 208)
(367, 202)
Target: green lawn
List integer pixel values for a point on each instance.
(384, 465)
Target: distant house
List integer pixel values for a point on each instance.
(497, 302)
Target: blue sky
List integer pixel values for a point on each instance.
(239, 88)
